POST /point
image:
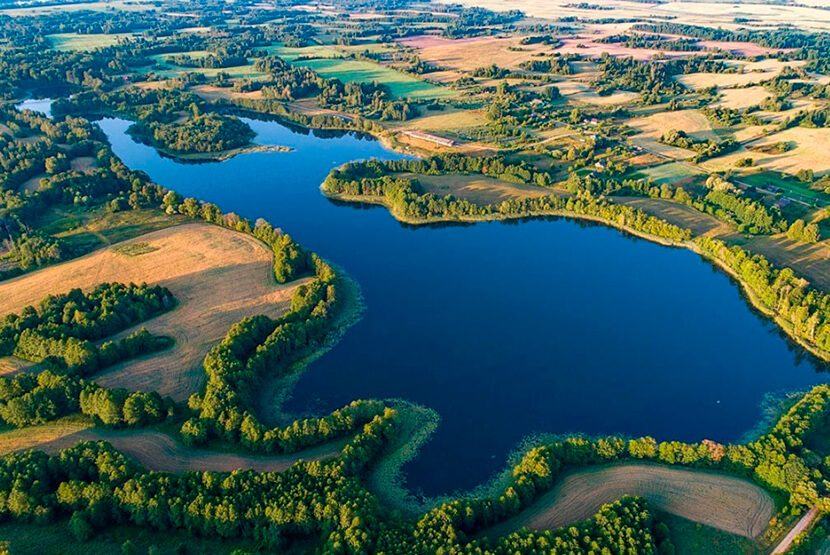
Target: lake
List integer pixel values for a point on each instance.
(506, 329)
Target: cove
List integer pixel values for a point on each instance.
(505, 329)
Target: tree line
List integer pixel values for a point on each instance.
(374, 180)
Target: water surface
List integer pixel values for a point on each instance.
(505, 329)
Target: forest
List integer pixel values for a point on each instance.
(543, 104)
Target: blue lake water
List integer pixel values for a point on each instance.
(505, 329)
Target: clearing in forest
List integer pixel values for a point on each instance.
(218, 276)
(723, 502)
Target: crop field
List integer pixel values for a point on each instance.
(155, 450)
(723, 502)
(73, 41)
(219, 276)
(651, 128)
(742, 98)
(449, 119)
(809, 261)
(678, 214)
(477, 189)
(401, 84)
(471, 53)
(808, 152)
(712, 14)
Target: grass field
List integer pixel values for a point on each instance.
(84, 230)
(449, 119)
(73, 41)
(219, 276)
(478, 189)
(673, 172)
(401, 84)
(723, 502)
(692, 538)
(790, 187)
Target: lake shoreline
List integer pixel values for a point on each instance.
(691, 245)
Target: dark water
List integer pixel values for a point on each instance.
(504, 329)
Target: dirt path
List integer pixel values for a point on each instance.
(158, 451)
(218, 276)
(724, 502)
(800, 527)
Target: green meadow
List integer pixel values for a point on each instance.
(401, 84)
(73, 41)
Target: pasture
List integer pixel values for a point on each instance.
(218, 276)
(723, 502)
(66, 42)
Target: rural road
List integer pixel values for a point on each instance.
(802, 525)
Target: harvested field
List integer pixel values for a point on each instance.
(708, 14)
(447, 120)
(742, 98)
(808, 152)
(155, 450)
(692, 122)
(723, 502)
(219, 276)
(809, 261)
(678, 214)
(478, 189)
(471, 53)
(651, 128)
